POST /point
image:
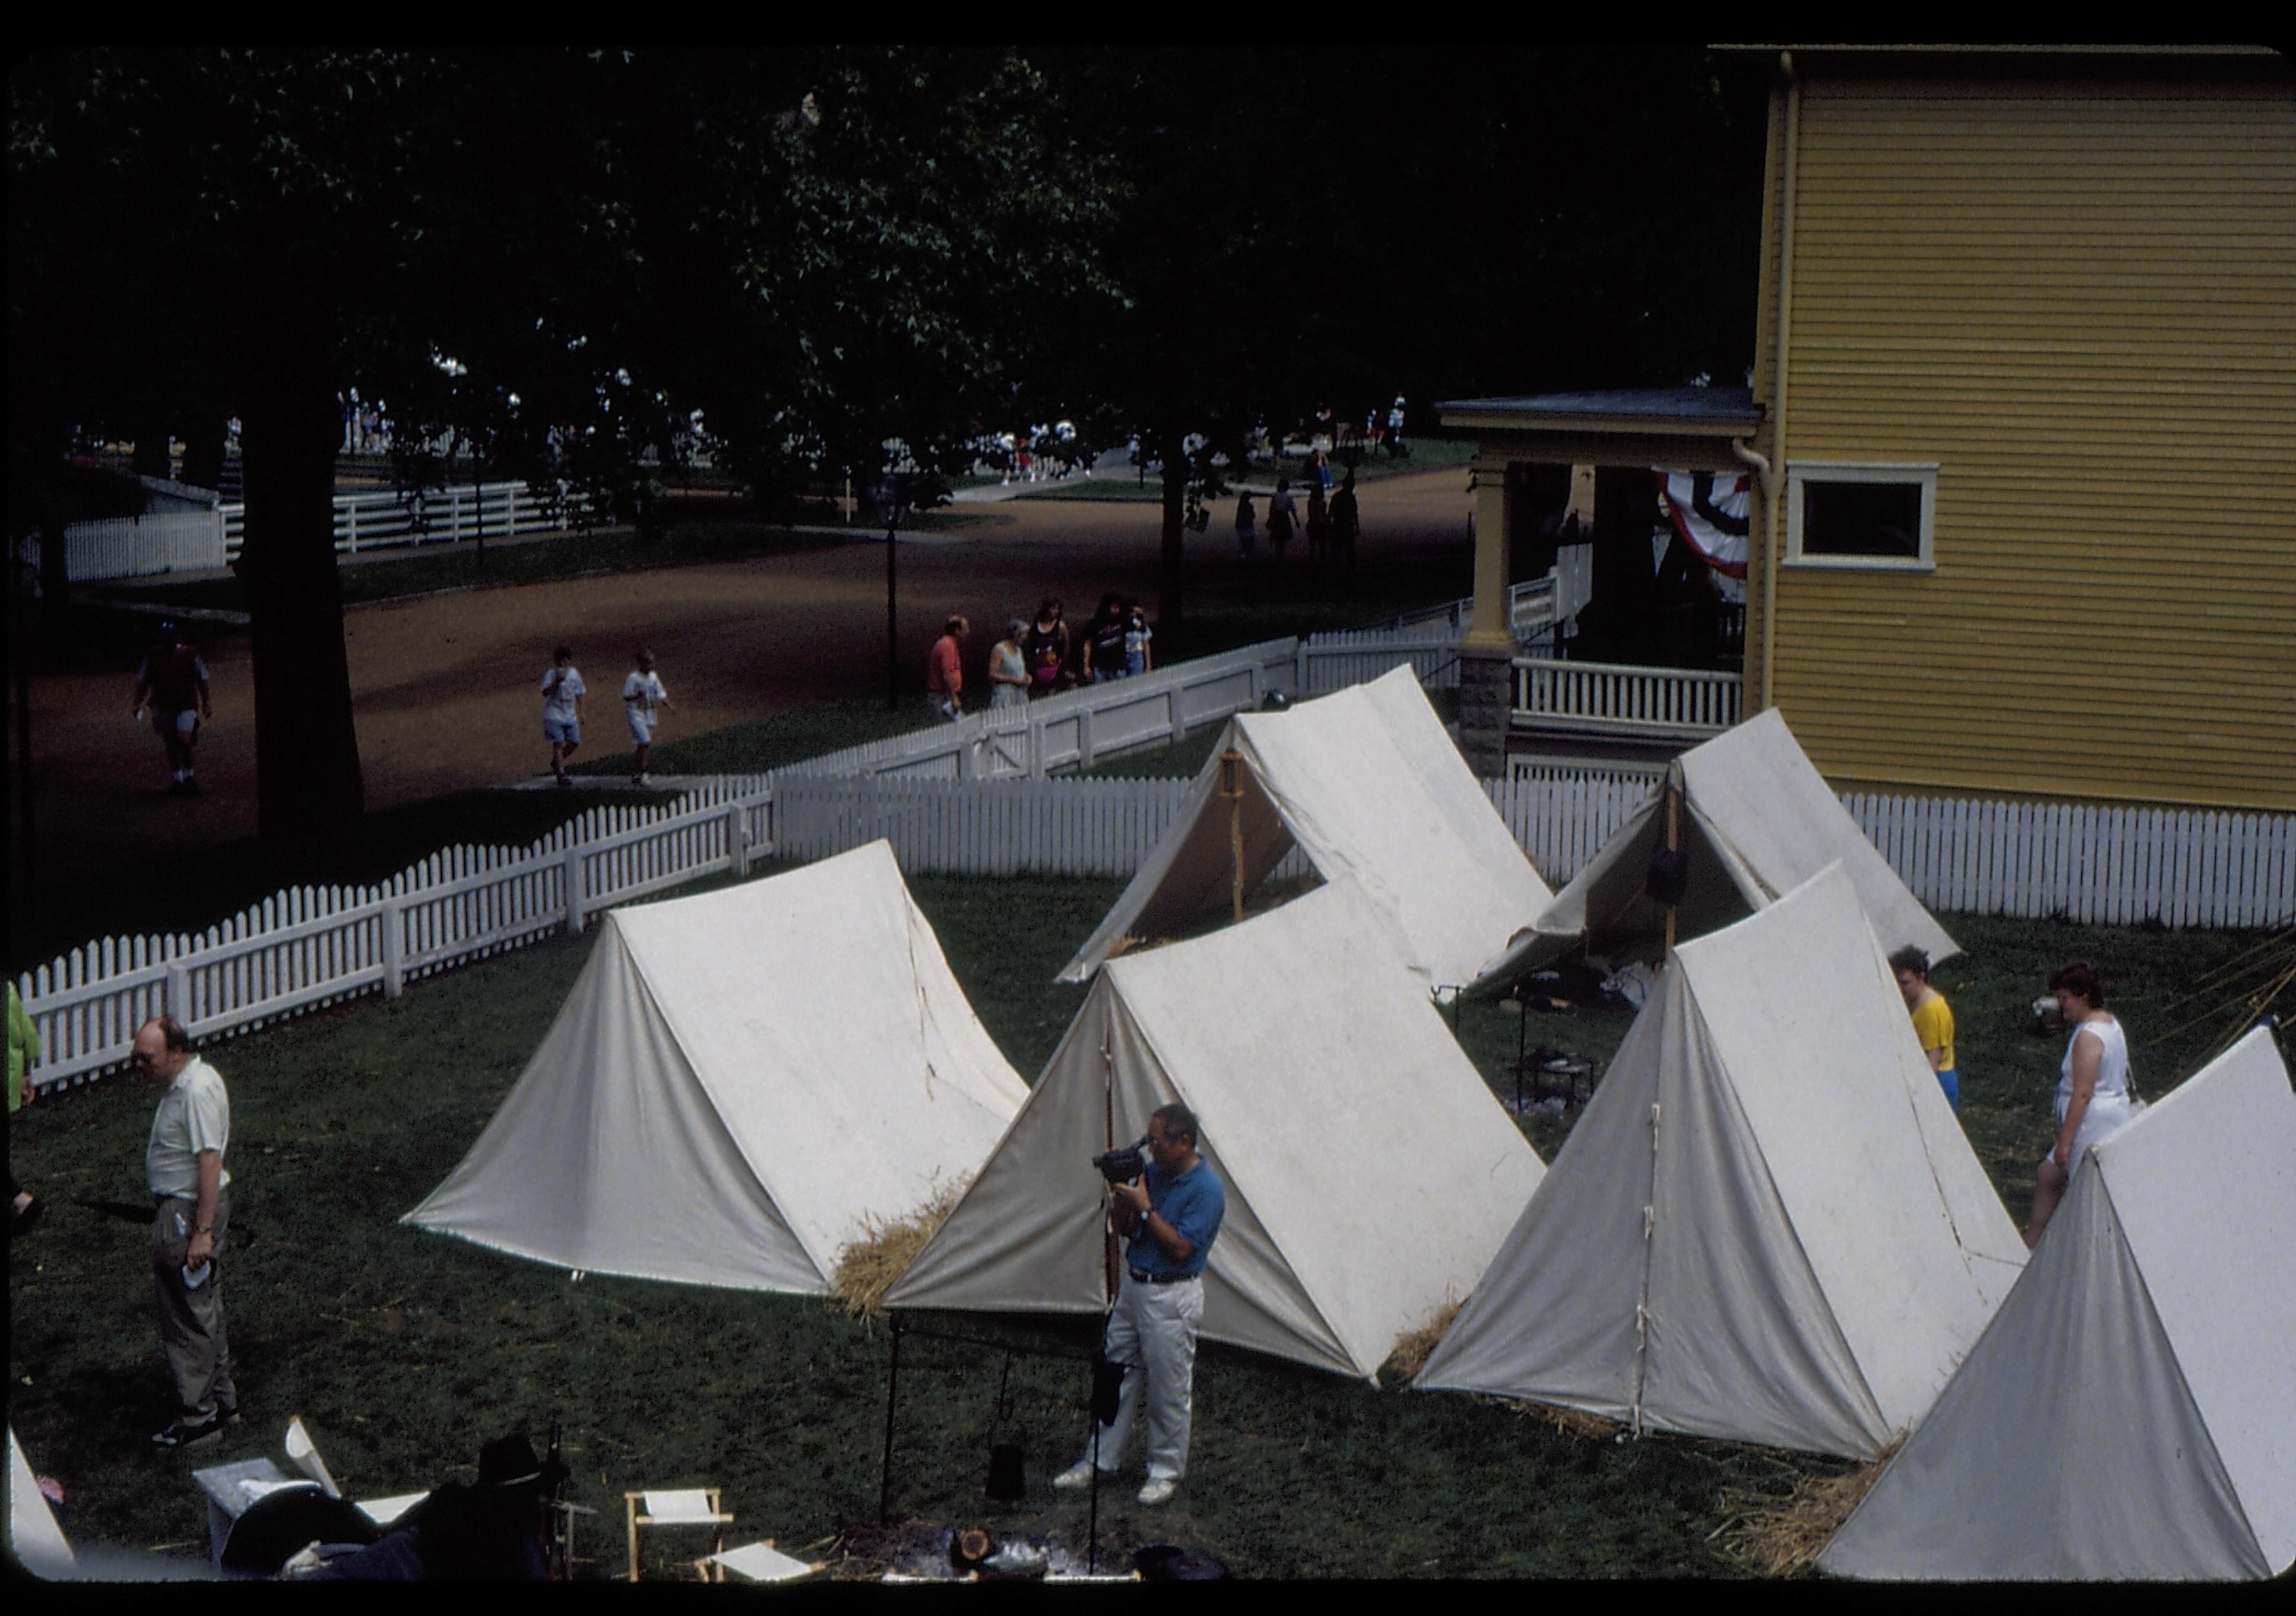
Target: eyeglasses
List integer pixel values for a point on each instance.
(139, 1058)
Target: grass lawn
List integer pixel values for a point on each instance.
(404, 1350)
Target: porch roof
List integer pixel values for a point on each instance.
(1690, 427)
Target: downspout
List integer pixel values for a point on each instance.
(1775, 549)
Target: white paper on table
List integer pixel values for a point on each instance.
(382, 1511)
(683, 1506)
(763, 1563)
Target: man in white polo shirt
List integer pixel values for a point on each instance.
(182, 1163)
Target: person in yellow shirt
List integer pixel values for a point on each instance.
(1933, 1019)
(24, 1208)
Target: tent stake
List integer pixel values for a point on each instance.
(892, 1390)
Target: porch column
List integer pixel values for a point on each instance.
(1487, 651)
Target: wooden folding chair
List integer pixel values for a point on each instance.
(683, 1506)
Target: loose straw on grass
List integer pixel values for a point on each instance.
(867, 1268)
(1413, 1347)
(1774, 1536)
(1570, 1422)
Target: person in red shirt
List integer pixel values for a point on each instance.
(173, 683)
(945, 671)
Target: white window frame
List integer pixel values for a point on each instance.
(1800, 472)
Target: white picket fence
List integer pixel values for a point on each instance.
(2098, 865)
(137, 547)
(946, 799)
(194, 541)
(308, 947)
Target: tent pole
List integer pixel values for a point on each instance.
(1231, 788)
(892, 1390)
(1673, 845)
(1107, 1212)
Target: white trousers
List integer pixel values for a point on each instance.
(1151, 1331)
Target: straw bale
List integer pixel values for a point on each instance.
(868, 1266)
(1782, 1536)
(1413, 1348)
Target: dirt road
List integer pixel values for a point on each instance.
(445, 688)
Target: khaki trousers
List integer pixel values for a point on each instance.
(191, 1322)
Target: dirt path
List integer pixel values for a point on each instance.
(445, 688)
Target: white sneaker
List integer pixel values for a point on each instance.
(1079, 1474)
(1159, 1490)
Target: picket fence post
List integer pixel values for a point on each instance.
(394, 947)
(178, 999)
(737, 836)
(572, 860)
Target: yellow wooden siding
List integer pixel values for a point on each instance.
(2080, 302)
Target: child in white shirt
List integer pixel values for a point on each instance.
(562, 711)
(641, 693)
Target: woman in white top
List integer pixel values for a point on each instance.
(1008, 669)
(2094, 1099)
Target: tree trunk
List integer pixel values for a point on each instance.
(152, 456)
(310, 801)
(56, 571)
(1169, 608)
(203, 451)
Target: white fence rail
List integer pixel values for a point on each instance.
(1080, 727)
(1614, 698)
(308, 947)
(432, 516)
(194, 541)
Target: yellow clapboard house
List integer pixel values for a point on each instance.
(2024, 403)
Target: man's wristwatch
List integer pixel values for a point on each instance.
(203, 1228)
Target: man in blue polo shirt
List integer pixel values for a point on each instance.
(1171, 1216)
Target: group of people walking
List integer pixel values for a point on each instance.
(1332, 521)
(1043, 655)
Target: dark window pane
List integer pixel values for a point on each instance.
(1861, 519)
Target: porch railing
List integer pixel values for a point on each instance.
(1608, 698)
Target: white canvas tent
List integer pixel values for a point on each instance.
(2131, 1412)
(1368, 784)
(1756, 820)
(737, 1081)
(34, 1537)
(1370, 1173)
(1768, 1225)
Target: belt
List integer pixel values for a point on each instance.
(1147, 1279)
(159, 1200)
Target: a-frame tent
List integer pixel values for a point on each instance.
(738, 1082)
(1371, 788)
(1369, 1172)
(1756, 820)
(1766, 1225)
(2131, 1411)
(35, 1540)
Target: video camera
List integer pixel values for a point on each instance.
(1125, 1164)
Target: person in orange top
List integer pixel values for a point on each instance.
(945, 671)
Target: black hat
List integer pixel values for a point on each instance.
(508, 1461)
